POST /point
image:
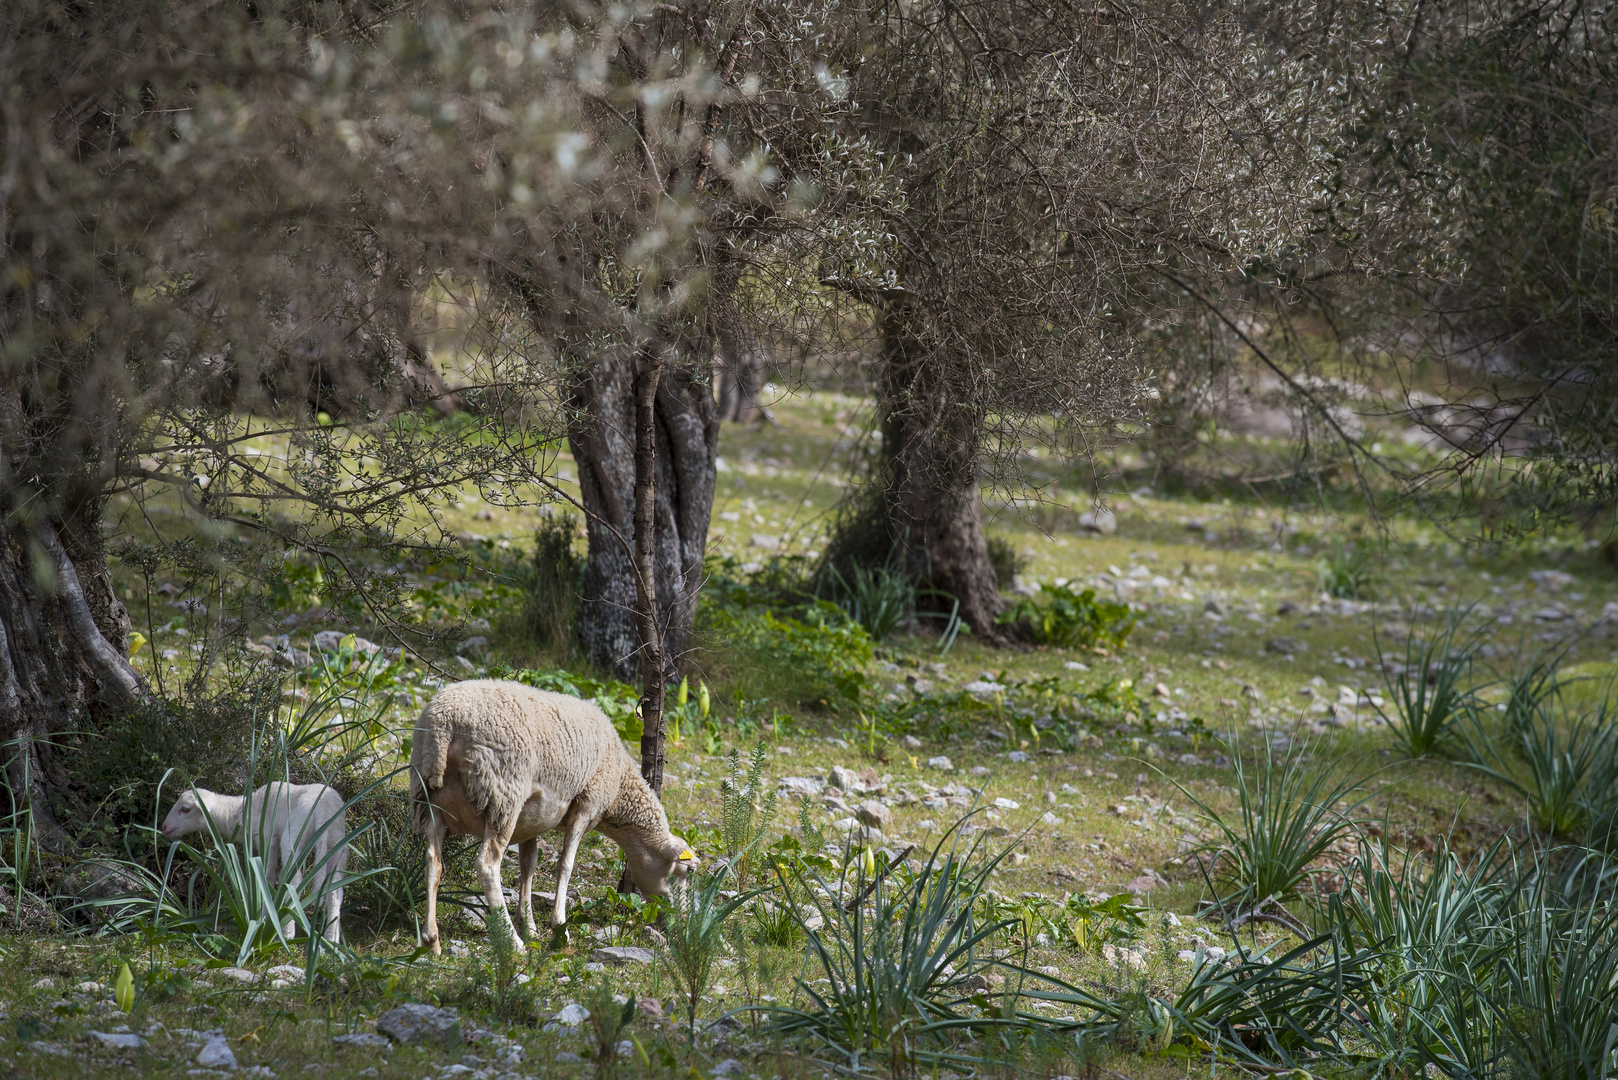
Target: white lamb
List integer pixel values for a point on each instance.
(283, 820)
(507, 762)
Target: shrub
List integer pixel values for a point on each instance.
(823, 648)
(551, 583)
(1006, 560)
(1066, 617)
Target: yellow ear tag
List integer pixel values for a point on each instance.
(687, 854)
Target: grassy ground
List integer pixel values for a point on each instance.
(1236, 645)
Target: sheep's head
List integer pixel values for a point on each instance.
(661, 867)
(188, 816)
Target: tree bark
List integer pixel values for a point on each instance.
(601, 432)
(740, 378)
(930, 435)
(648, 375)
(63, 636)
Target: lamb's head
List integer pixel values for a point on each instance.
(661, 865)
(190, 815)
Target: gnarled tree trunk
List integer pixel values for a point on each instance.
(601, 431)
(739, 380)
(63, 635)
(929, 474)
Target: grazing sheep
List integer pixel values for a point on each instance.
(507, 762)
(284, 819)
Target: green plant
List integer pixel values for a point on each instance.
(1531, 682)
(550, 584)
(881, 600)
(693, 930)
(390, 860)
(903, 961)
(1564, 769)
(823, 646)
(776, 924)
(1346, 574)
(611, 1013)
(1427, 688)
(1285, 822)
(1090, 925)
(1005, 559)
(745, 811)
(19, 846)
(1070, 618)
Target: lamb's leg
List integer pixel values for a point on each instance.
(275, 849)
(527, 862)
(490, 856)
(574, 826)
(286, 845)
(435, 866)
(334, 898)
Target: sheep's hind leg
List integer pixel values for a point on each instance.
(574, 826)
(528, 862)
(435, 866)
(490, 856)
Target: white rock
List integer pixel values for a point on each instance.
(216, 1052)
(1100, 520)
(874, 813)
(1074, 665)
(911, 742)
(984, 686)
(119, 1040)
(1049, 818)
(846, 779)
(572, 1015)
(802, 785)
(241, 975)
(1007, 804)
(941, 762)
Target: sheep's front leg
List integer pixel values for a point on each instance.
(527, 862)
(435, 866)
(493, 852)
(575, 826)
